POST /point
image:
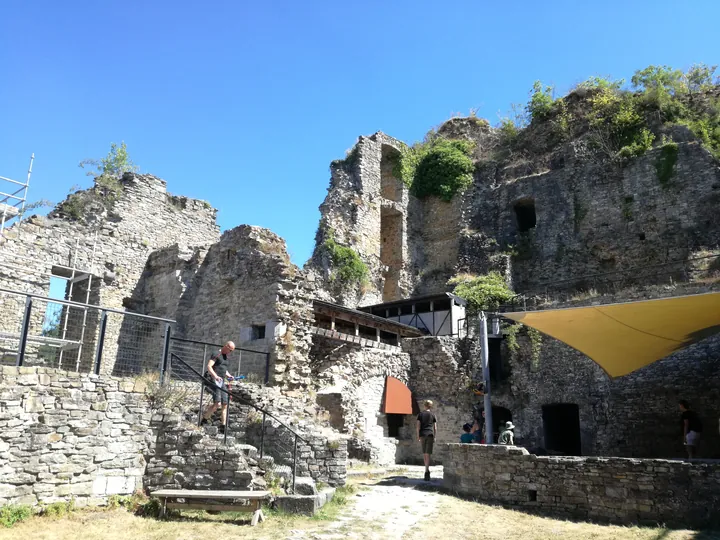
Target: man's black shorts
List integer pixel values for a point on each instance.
(218, 395)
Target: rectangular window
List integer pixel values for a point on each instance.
(258, 331)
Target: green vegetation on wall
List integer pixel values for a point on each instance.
(438, 166)
(347, 264)
(621, 122)
(665, 165)
(107, 189)
(482, 292)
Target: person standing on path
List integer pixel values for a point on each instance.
(692, 428)
(215, 382)
(426, 431)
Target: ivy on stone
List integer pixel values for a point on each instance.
(438, 166)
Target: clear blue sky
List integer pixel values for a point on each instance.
(245, 104)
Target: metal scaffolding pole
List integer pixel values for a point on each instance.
(484, 355)
(16, 206)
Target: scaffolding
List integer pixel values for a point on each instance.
(73, 275)
(12, 204)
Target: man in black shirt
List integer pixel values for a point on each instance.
(426, 431)
(692, 428)
(215, 382)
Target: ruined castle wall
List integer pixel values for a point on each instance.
(615, 489)
(247, 281)
(635, 415)
(441, 373)
(366, 209)
(598, 217)
(113, 246)
(68, 434)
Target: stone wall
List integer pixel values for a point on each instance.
(597, 217)
(618, 490)
(187, 457)
(367, 209)
(441, 373)
(113, 245)
(76, 435)
(350, 384)
(65, 434)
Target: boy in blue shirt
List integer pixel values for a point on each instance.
(467, 437)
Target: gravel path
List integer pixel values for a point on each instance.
(387, 509)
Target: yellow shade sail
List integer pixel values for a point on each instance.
(622, 338)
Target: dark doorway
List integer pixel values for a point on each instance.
(525, 214)
(499, 372)
(500, 415)
(561, 427)
(394, 423)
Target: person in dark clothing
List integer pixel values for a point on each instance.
(215, 382)
(692, 428)
(467, 437)
(426, 431)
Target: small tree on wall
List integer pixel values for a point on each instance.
(107, 172)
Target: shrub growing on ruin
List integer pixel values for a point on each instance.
(107, 189)
(541, 101)
(482, 292)
(438, 166)
(665, 165)
(347, 264)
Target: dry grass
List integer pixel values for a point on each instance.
(470, 520)
(454, 519)
(122, 525)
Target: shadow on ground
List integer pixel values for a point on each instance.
(435, 485)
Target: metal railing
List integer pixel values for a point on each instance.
(41, 331)
(254, 425)
(249, 364)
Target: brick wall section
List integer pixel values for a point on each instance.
(617, 490)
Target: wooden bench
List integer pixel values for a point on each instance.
(223, 501)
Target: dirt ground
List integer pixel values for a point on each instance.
(399, 506)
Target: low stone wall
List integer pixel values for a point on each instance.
(66, 435)
(619, 490)
(70, 435)
(188, 457)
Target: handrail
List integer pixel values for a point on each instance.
(216, 345)
(82, 305)
(237, 397)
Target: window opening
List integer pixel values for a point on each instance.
(525, 214)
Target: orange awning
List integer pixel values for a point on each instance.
(622, 338)
(398, 398)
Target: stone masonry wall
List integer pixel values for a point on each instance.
(366, 209)
(113, 246)
(65, 434)
(618, 490)
(441, 373)
(634, 416)
(350, 384)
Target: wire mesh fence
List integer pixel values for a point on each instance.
(245, 364)
(36, 330)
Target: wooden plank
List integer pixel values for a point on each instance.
(209, 494)
(219, 507)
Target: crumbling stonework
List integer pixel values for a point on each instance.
(605, 489)
(350, 383)
(112, 246)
